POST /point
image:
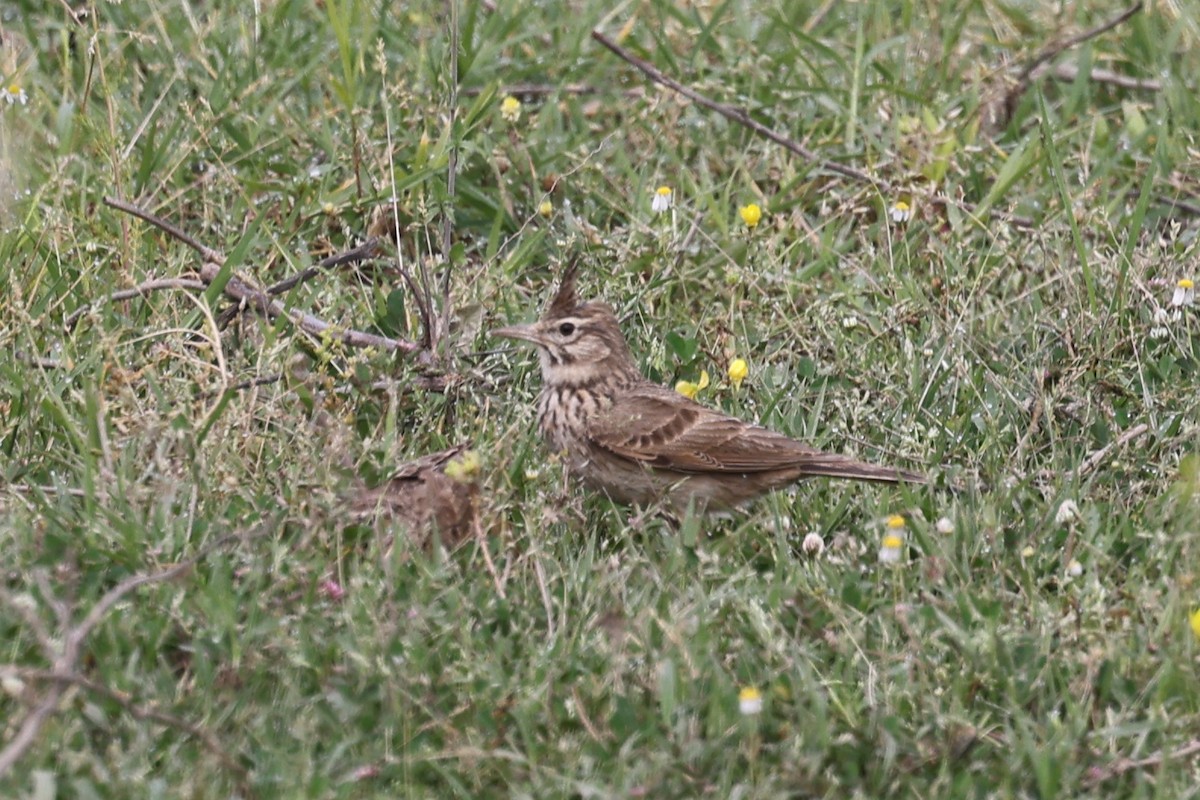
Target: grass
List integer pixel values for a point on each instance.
(603, 658)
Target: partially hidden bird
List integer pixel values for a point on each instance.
(642, 443)
(436, 495)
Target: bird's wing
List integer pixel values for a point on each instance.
(418, 466)
(662, 428)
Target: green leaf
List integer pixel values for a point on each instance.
(1018, 164)
(684, 348)
(668, 691)
(479, 110)
(393, 319)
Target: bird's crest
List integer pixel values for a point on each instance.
(565, 301)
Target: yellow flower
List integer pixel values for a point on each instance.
(895, 522)
(900, 212)
(546, 208)
(510, 108)
(662, 199)
(1185, 293)
(738, 370)
(751, 214)
(750, 701)
(1194, 620)
(689, 389)
(464, 467)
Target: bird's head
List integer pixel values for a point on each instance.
(578, 343)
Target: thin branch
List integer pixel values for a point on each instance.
(481, 542)
(366, 250)
(38, 361)
(241, 291)
(538, 91)
(135, 710)
(738, 115)
(1053, 50)
(429, 383)
(1095, 459)
(76, 16)
(264, 380)
(1008, 102)
(542, 90)
(96, 613)
(1099, 775)
(31, 725)
(1069, 72)
(71, 650)
(207, 253)
(24, 488)
(1181, 205)
(141, 290)
(742, 118)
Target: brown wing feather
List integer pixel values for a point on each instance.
(661, 428)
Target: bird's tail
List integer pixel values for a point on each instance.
(830, 465)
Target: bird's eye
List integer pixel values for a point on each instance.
(567, 328)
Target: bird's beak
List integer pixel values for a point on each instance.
(524, 332)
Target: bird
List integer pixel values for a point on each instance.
(434, 498)
(641, 443)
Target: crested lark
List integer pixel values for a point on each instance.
(435, 494)
(639, 442)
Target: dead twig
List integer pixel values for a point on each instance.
(539, 90)
(243, 292)
(1069, 72)
(23, 488)
(481, 542)
(419, 295)
(260, 301)
(65, 657)
(1095, 459)
(1098, 775)
(251, 383)
(429, 383)
(1051, 51)
(739, 116)
(364, 251)
(141, 290)
(207, 253)
(1007, 104)
(135, 710)
(1181, 205)
(38, 361)
(367, 250)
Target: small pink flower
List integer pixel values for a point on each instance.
(332, 590)
(365, 772)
